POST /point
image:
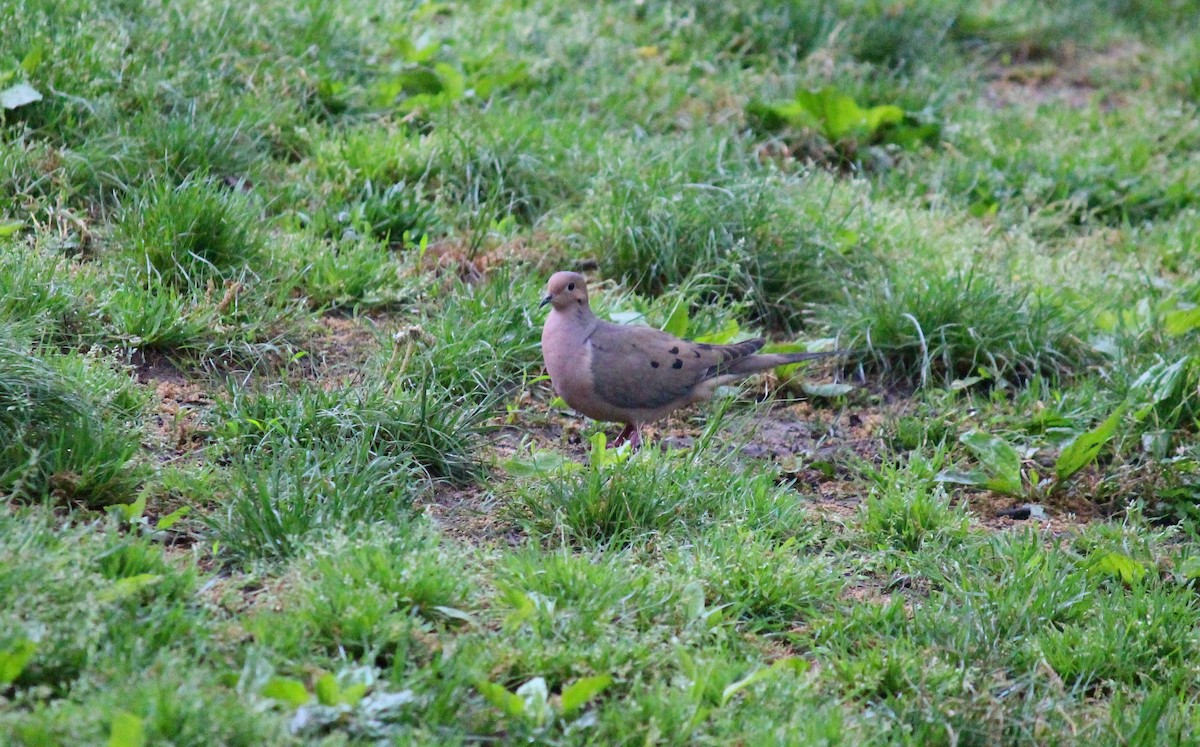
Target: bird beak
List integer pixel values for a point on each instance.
(546, 300)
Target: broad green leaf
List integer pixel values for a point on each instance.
(787, 371)
(599, 450)
(721, 336)
(837, 115)
(906, 135)
(328, 691)
(793, 664)
(501, 698)
(983, 208)
(602, 455)
(536, 697)
(826, 390)
(774, 116)
(14, 659)
(1180, 322)
(1190, 570)
(1086, 446)
(1117, 565)
(677, 324)
(1107, 321)
(131, 512)
(958, 477)
(8, 229)
(18, 95)
(960, 384)
(1000, 461)
(627, 316)
(581, 691)
(513, 76)
(524, 609)
(126, 730)
(352, 694)
(714, 616)
(166, 522)
(128, 587)
(453, 613)
(790, 663)
(411, 52)
(285, 690)
(1159, 383)
(453, 82)
(419, 80)
(539, 463)
(31, 61)
(878, 116)
(692, 596)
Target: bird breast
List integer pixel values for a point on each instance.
(568, 355)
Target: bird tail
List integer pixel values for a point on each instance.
(765, 361)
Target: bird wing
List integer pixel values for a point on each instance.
(643, 368)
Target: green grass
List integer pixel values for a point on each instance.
(64, 422)
(191, 235)
(279, 463)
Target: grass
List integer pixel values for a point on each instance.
(279, 463)
(191, 235)
(65, 427)
(956, 326)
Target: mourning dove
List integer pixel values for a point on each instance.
(635, 375)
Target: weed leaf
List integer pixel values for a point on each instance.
(1085, 448)
(14, 660)
(1117, 565)
(501, 698)
(286, 690)
(678, 323)
(1000, 461)
(128, 587)
(579, 692)
(18, 95)
(126, 731)
(1181, 322)
(173, 518)
(826, 391)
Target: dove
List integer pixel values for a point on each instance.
(635, 375)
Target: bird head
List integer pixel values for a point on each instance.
(566, 290)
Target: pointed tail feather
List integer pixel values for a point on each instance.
(765, 361)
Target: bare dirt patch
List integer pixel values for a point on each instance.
(173, 425)
(472, 515)
(1062, 513)
(1071, 79)
(340, 344)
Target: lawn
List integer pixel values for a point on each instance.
(280, 463)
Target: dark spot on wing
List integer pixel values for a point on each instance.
(674, 350)
(705, 346)
(653, 364)
(677, 364)
(696, 353)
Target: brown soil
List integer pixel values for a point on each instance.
(472, 515)
(1070, 79)
(813, 442)
(815, 445)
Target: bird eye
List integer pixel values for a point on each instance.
(570, 286)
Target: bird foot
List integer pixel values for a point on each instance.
(631, 434)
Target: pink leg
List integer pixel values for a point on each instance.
(625, 435)
(635, 442)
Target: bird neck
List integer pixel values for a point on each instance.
(578, 318)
